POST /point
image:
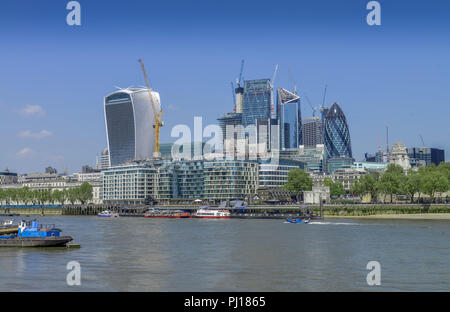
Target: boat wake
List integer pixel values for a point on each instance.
(333, 223)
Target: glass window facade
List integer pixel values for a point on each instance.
(257, 101)
(119, 116)
(336, 133)
(288, 107)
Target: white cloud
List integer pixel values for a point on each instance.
(25, 152)
(32, 110)
(38, 135)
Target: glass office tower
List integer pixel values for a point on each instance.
(336, 133)
(257, 101)
(129, 121)
(290, 118)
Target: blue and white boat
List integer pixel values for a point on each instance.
(108, 214)
(298, 220)
(32, 234)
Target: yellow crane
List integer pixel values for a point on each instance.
(157, 115)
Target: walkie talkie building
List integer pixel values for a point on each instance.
(336, 133)
(129, 123)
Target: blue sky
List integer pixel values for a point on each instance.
(53, 77)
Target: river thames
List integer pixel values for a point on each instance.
(139, 254)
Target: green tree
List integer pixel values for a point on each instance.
(84, 192)
(411, 184)
(336, 188)
(298, 181)
(433, 180)
(390, 182)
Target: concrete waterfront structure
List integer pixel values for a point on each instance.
(290, 119)
(129, 123)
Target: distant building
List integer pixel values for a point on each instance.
(312, 131)
(312, 157)
(257, 101)
(399, 156)
(316, 195)
(340, 162)
(348, 176)
(370, 166)
(104, 160)
(88, 169)
(129, 124)
(425, 156)
(7, 177)
(231, 121)
(336, 133)
(275, 175)
(290, 119)
(51, 170)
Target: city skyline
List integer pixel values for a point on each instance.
(52, 102)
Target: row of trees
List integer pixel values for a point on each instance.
(25, 196)
(428, 180)
(413, 184)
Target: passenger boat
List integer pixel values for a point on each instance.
(206, 212)
(108, 213)
(32, 234)
(154, 213)
(298, 220)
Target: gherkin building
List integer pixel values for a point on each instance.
(336, 134)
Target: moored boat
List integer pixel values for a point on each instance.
(32, 234)
(206, 212)
(156, 213)
(108, 214)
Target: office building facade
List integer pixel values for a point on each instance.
(129, 121)
(425, 156)
(336, 133)
(290, 119)
(312, 131)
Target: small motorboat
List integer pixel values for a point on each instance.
(298, 220)
(32, 234)
(108, 214)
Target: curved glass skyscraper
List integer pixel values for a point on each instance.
(336, 134)
(129, 123)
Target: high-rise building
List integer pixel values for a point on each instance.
(424, 156)
(336, 133)
(312, 131)
(129, 122)
(231, 119)
(257, 101)
(290, 119)
(104, 160)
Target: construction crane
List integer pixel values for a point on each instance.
(239, 81)
(234, 95)
(423, 143)
(272, 83)
(314, 108)
(158, 122)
